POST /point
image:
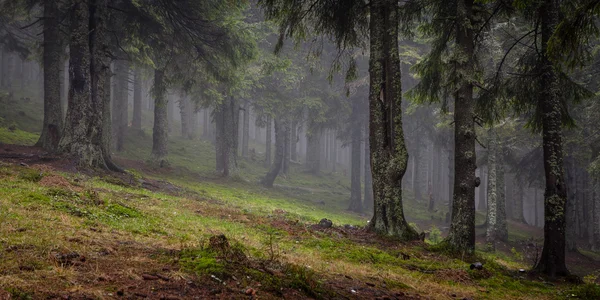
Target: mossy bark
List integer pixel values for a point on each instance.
(52, 50)
(492, 194)
(596, 215)
(389, 156)
(552, 261)
(502, 230)
(160, 129)
(82, 134)
(227, 136)
(462, 228)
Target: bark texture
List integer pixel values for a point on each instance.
(462, 228)
(53, 114)
(246, 130)
(355, 161)
(227, 136)
(161, 123)
(82, 135)
(552, 261)
(120, 106)
(389, 156)
(268, 142)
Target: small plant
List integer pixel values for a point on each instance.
(435, 235)
(31, 175)
(518, 255)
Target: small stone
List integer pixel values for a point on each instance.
(120, 293)
(476, 265)
(325, 223)
(250, 292)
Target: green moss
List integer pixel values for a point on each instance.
(202, 262)
(30, 175)
(588, 291)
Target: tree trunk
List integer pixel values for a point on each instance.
(518, 210)
(596, 215)
(462, 229)
(268, 142)
(161, 123)
(286, 150)
(246, 129)
(120, 107)
(368, 197)
(492, 196)
(482, 191)
(136, 123)
(313, 155)
(355, 161)
(552, 261)
(280, 138)
(227, 136)
(501, 231)
(53, 115)
(294, 147)
(388, 150)
(82, 134)
(187, 115)
(571, 211)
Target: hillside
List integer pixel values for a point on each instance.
(184, 233)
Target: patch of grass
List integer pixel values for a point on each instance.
(588, 291)
(17, 137)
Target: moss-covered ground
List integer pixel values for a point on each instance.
(156, 233)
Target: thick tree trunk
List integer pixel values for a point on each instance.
(246, 130)
(552, 261)
(136, 123)
(161, 123)
(388, 149)
(462, 229)
(82, 134)
(280, 138)
(355, 161)
(571, 212)
(53, 114)
(227, 136)
(417, 170)
(268, 142)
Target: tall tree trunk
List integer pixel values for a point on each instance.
(313, 155)
(136, 123)
(571, 211)
(462, 229)
(518, 210)
(492, 196)
(161, 123)
(53, 115)
(502, 230)
(187, 116)
(355, 161)
(268, 142)
(228, 135)
(294, 147)
(417, 170)
(286, 150)
(246, 130)
(82, 134)
(482, 191)
(535, 199)
(552, 261)
(280, 138)
(388, 149)
(120, 107)
(596, 215)
(368, 197)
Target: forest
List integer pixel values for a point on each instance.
(299, 149)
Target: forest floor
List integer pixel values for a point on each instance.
(184, 233)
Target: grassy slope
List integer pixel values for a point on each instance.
(45, 212)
